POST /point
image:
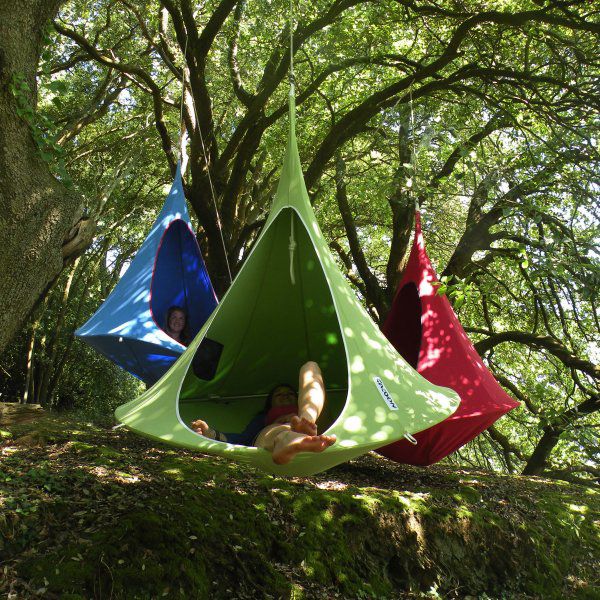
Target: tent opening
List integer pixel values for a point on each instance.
(264, 333)
(407, 335)
(178, 278)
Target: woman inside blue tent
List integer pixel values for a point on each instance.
(288, 423)
(177, 325)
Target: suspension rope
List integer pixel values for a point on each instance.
(210, 182)
(181, 123)
(291, 47)
(292, 244)
(413, 158)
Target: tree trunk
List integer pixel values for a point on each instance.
(28, 388)
(539, 458)
(37, 211)
(538, 461)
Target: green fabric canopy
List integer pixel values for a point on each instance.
(290, 304)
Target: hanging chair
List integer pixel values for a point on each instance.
(289, 304)
(168, 270)
(425, 330)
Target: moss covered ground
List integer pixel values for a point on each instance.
(88, 512)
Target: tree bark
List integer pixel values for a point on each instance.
(45, 392)
(28, 387)
(36, 210)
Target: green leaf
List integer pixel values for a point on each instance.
(58, 86)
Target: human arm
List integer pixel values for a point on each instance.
(247, 437)
(203, 428)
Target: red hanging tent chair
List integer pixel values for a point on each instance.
(425, 330)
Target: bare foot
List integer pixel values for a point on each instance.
(288, 444)
(303, 425)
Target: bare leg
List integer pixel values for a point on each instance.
(284, 443)
(311, 399)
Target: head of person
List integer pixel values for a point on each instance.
(177, 325)
(282, 394)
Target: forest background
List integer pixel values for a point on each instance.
(485, 114)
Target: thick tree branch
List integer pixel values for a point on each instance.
(372, 288)
(355, 119)
(236, 79)
(161, 47)
(494, 124)
(96, 109)
(543, 342)
(212, 28)
(516, 392)
(551, 434)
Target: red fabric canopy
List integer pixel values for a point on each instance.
(424, 329)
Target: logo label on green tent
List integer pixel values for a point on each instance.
(385, 394)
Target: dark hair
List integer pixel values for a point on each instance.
(185, 334)
(270, 396)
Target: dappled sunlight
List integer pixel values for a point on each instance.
(414, 525)
(126, 497)
(380, 415)
(383, 435)
(427, 333)
(388, 374)
(282, 310)
(346, 443)
(358, 365)
(353, 424)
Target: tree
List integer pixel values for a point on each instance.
(483, 116)
(40, 216)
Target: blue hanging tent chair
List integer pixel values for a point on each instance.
(168, 270)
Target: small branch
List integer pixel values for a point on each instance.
(129, 69)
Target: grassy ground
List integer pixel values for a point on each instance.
(87, 512)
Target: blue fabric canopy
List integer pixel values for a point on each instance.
(168, 270)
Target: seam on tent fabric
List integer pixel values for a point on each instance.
(337, 316)
(301, 283)
(183, 281)
(251, 314)
(135, 339)
(108, 357)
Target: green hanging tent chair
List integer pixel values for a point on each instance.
(289, 304)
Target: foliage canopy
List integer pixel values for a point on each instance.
(485, 114)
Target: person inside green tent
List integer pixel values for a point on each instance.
(287, 425)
